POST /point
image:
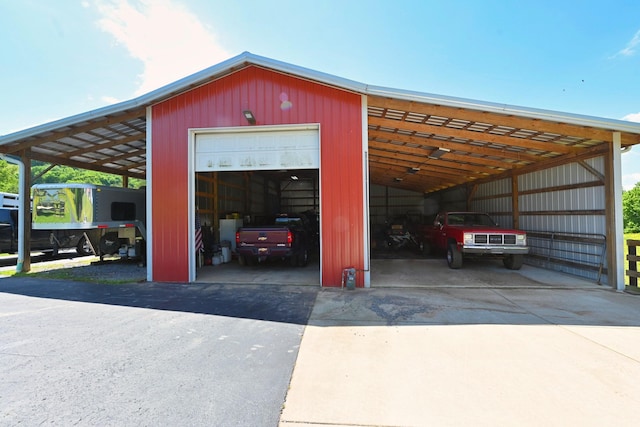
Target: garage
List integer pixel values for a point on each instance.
(380, 153)
(245, 177)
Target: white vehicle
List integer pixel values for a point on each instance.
(110, 218)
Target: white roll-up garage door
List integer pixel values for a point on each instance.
(264, 148)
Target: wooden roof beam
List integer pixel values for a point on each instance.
(95, 124)
(472, 162)
(472, 135)
(501, 120)
(458, 146)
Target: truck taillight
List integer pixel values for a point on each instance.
(237, 237)
(289, 237)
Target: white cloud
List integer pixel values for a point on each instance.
(169, 39)
(630, 48)
(629, 180)
(109, 100)
(633, 117)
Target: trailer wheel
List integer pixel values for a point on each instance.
(454, 256)
(84, 248)
(109, 243)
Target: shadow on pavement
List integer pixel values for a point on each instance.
(275, 303)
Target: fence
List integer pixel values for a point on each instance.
(633, 259)
(574, 253)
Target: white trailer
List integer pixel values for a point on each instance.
(112, 218)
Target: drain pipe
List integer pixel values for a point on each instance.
(21, 202)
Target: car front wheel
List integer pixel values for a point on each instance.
(454, 257)
(513, 262)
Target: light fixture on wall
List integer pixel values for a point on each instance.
(436, 154)
(249, 116)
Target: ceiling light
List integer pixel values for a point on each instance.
(294, 178)
(398, 179)
(436, 154)
(249, 116)
(413, 170)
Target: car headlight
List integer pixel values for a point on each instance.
(468, 238)
(521, 239)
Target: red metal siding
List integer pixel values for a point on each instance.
(274, 99)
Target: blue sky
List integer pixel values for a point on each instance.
(65, 57)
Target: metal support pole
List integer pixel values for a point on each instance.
(23, 200)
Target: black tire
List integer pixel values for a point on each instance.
(513, 262)
(109, 243)
(454, 256)
(83, 247)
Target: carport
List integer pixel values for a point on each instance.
(556, 175)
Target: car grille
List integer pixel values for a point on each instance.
(494, 239)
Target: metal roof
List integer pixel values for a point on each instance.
(417, 141)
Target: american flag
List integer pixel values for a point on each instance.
(199, 243)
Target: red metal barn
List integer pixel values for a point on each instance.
(336, 113)
(369, 154)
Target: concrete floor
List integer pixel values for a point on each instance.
(417, 273)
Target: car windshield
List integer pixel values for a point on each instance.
(288, 220)
(470, 219)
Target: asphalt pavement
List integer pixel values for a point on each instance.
(75, 353)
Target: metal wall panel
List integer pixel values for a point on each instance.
(274, 99)
(571, 220)
(564, 207)
(387, 202)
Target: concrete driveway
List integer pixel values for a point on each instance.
(468, 356)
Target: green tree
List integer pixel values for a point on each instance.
(59, 174)
(8, 177)
(631, 209)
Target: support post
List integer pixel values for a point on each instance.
(24, 204)
(515, 207)
(614, 222)
(26, 212)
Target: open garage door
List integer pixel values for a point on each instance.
(269, 148)
(246, 177)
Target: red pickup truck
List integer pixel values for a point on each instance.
(463, 234)
(286, 239)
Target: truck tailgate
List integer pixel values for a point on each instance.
(264, 237)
